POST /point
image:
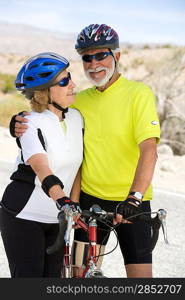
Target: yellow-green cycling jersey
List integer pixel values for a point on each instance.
(116, 121)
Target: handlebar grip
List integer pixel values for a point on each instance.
(59, 243)
(96, 209)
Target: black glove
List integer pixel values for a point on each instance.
(129, 207)
(61, 202)
(12, 124)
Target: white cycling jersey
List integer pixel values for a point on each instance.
(64, 149)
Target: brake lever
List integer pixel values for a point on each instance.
(69, 211)
(69, 228)
(162, 217)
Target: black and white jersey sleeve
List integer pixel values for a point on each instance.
(30, 142)
(63, 146)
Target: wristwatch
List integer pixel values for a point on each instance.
(137, 195)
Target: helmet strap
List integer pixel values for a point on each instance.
(114, 66)
(114, 60)
(62, 109)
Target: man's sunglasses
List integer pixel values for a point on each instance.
(64, 81)
(98, 56)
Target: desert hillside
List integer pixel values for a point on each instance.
(28, 40)
(162, 67)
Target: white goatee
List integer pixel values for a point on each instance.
(108, 74)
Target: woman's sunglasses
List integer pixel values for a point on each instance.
(97, 56)
(64, 81)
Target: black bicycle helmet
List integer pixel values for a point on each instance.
(97, 36)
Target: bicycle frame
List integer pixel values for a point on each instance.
(66, 222)
(90, 266)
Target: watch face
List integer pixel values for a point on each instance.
(138, 195)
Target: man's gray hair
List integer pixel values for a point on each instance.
(114, 52)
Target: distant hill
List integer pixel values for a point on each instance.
(28, 40)
(162, 67)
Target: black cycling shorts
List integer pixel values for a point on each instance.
(25, 244)
(133, 238)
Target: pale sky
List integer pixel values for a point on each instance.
(136, 21)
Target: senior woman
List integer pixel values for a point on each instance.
(47, 174)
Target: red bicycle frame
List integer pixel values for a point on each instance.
(91, 229)
(91, 270)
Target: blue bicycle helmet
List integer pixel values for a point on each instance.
(97, 36)
(40, 71)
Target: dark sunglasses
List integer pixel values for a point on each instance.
(98, 56)
(64, 81)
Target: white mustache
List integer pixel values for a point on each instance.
(108, 74)
(97, 70)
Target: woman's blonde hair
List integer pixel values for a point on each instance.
(39, 101)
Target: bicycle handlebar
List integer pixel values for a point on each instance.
(97, 213)
(59, 243)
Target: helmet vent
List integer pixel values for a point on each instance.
(44, 75)
(48, 63)
(29, 78)
(32, 67)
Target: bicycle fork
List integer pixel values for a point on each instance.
(91, 270)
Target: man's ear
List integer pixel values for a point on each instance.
(117, 56)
